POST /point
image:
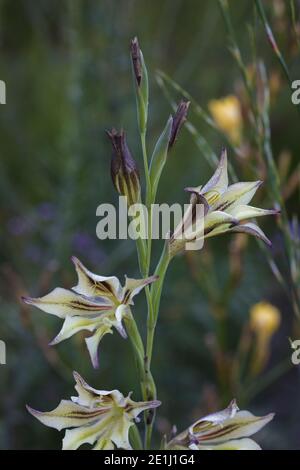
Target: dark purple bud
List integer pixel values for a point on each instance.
(136, 60)
(124, 170)
(178, 120)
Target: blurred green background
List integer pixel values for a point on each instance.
(68, 76)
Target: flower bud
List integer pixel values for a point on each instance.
(140, 77)
(178, 120)
(136, 60)
(124, 171)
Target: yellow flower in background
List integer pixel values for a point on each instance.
(226, 113)
(264, 319)
(98, 417)
(264, 322)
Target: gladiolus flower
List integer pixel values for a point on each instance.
(96, 304)
(97, 417)
(228, 429)
(225, 210)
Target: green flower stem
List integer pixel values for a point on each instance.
(150, 388)
(155, 294)
(146, 380)
(136, 438)
(142, 257)
(137, 344)
(156, 290)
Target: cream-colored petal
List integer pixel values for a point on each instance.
(134, 286)
(62, 302)
(120, 434)
(219, 180)
(252, 229)
(88, 395)
(73, 325)
(217, 219)
(242, 424)
(75, 438)
(192, 221)
(207, 422)
(244, 212)
(67, 414)
(235, 444)
(113, 428)
(237, 194)
(103, 444)
(134, 408)
(93, 341)
(92, 285)
(120, 313)
(217, 184)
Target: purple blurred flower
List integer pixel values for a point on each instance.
(46, 211)
(20, 225)
(85, 245)
(33, 253)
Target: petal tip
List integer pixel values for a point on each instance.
(190, 189)
(95, 363)
(223, 155)
(28, 300)
(75, 374)
(75, 260)
(32, 411)
(53, 342)
(154, 403)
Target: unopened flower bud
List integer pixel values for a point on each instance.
(124, 170)
(136, 60)
(178, 120)
(140, 77)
